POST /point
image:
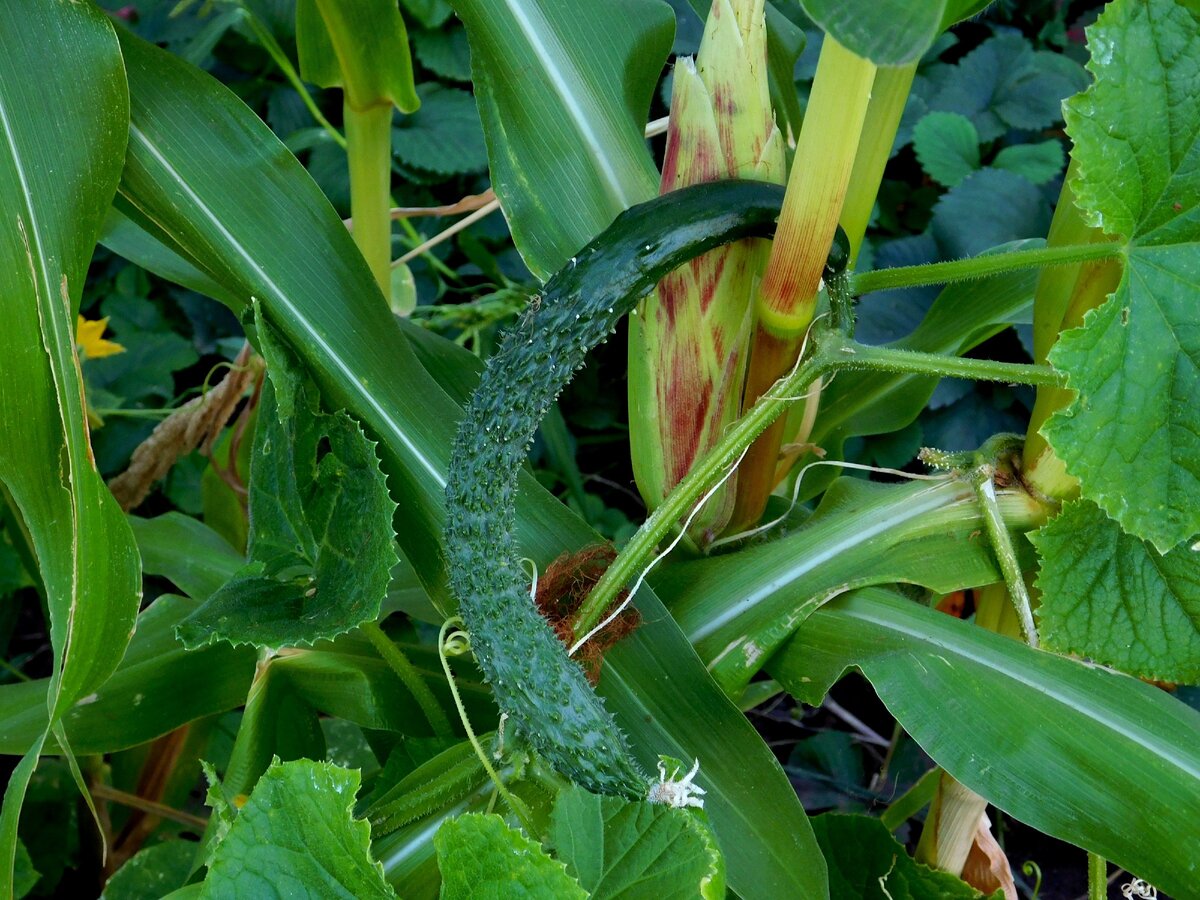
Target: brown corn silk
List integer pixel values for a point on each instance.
(689, 340)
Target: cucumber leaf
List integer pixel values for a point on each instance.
(1087, 755)
(1116, 600)
(296, 837)
(321, 541)
(481, 858)
(152, 872)
(1132, 435)
(624, 848)
(866, 862)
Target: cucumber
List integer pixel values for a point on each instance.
(544, 692)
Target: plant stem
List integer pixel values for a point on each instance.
(976, 267)
(412, 679)
(1097, 877)
(369, 148)
(151, 807)
(1002, 546)
(520, 810)
(826, 150)
(853, 355)
(889, 94)
(267, 40)
(703, 475)
(14, 671)
(831, 351)
(911, 801)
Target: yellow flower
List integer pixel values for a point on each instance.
(91, 344)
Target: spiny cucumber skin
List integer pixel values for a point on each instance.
(544, 692)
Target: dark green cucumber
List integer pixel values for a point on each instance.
(543, 691)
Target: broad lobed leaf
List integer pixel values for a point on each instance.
(321, 541)
(296, 837)
(1112, 598)
(866, 862)
(481, 858)
(1132, 435)
(623, 848)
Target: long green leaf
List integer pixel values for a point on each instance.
(737, 610)
(158, 687)
(361, 46)
(564, 90)
(63, 114)
(1077, 751)
(217, 182)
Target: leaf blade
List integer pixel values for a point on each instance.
(57, 178)
(1076, 751)
(1132, 434)
(1114, 599)
(565, 140)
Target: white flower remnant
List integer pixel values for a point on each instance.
(676, 791)
(1139, 890)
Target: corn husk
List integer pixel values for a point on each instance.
(689, 340)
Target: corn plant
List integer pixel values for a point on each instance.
(437, 678)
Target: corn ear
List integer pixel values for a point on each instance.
(689, 340)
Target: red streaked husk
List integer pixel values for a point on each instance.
(689, 340)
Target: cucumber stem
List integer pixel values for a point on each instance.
(832, 351)
(703, 475)
(369, 149)
(984, 482)
(520, 810)
(976, 267)
(1097, 877)
(853, 355)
